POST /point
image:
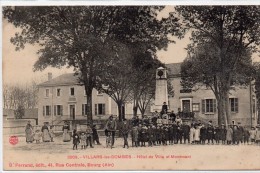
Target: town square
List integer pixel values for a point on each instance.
(131, 87)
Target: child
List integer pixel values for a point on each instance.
(51, 133)
(37, 136)
(192, 133)
(229, 135)
(197, 135)
(135, 137)
(150, 136)
(75, 138)
(252, 133)
(83, 140)
(143, 135)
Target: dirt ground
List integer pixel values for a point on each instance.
(58, 155)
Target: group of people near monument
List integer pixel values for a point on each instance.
(162, 128)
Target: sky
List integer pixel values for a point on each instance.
(18, 65)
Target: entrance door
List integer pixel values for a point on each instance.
(186, 105)
(72, 112)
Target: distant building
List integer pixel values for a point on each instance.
(203, 103)
(62, 98)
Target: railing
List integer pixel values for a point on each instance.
(186, 115)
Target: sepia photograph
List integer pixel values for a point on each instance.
(131, 87)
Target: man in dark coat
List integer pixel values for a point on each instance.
(179, 133)
(170, 134)
(223, 133)
(203, 134)
(240, 132)
(174, 131)
(111, 126)
(164, 108)
(210, 132)
(125, 128)
(186, 132)
(95, 135)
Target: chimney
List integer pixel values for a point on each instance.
(49, 76)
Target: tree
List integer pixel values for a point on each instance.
(81, 37)
(257, 87)
(19, 112)
(223, 39)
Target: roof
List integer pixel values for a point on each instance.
(173, 69)
(64, 79)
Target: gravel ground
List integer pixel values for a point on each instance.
(59, 155)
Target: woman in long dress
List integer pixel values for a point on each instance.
(66, 135)
(45, 133)
(29, 132)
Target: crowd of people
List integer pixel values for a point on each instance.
(162, 128)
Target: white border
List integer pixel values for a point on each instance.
(103, 2)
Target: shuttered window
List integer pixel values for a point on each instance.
(208, 106)
(100, 109)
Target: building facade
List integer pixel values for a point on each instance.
(203, 103)
(62, 98)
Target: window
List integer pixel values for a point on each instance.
(58, 110)
(58, 92)
(72, 92)
(233, 104)
(100, 109)
(84, 109)
(195, 107)
(47, 92)
(209, 106)
(46, 110)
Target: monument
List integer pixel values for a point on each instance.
(161, 92)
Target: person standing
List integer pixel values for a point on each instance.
(229, 135)
(83, 140)
(111, 126)
(164, 108)
(257, 135)
(66, 129)
(203, 133)
(252, 133)
(37, 136)
(197, 135)
(52, 135)
(186, 132)
(210, 132)
(45, 133)
(192, 134)
(223, 132)
(75, 140)
(95, 135)
(135, 136)
(125, 130)
(29, 132)
(89, 134)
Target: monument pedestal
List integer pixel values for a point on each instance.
(161, 92)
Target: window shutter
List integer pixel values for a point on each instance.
(214, 105)
(103, 109)
(236, 105)
(43, 111)
(55, 109)
(50, 109)
(95, 109)
(203, 106)
(83, 109)
(61, 110)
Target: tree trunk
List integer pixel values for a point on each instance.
(227, 107)
(89, 108)
(135, 108)
(121, 116)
